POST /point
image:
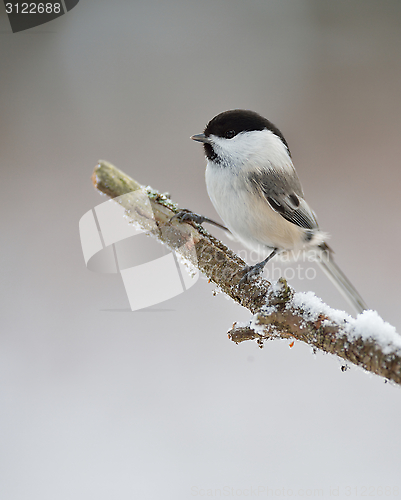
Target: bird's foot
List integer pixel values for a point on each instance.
(257, 269)
(187, 216)
(251, 272)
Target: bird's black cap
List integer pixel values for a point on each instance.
(230, 123)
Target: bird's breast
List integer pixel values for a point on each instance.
(247, 213)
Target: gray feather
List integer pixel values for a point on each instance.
(285, 196)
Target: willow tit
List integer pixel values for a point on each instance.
(254, 187)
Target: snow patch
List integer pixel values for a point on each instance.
(368, 325)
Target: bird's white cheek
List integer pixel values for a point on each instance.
(234, 151)
(250, 150)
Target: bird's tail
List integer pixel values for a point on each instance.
(339, 279)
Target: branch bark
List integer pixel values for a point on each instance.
(278, 312)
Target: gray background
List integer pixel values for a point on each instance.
(99, 402)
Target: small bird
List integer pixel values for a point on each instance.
(253, 185)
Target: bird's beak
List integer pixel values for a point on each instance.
(201, 138)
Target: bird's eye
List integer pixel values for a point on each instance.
(230, 134)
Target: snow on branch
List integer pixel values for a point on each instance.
(278, 311)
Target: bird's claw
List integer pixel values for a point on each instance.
(186, 216)
(250, 272)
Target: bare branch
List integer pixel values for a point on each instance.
(279, 312)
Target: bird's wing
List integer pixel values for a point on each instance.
(284, 195)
